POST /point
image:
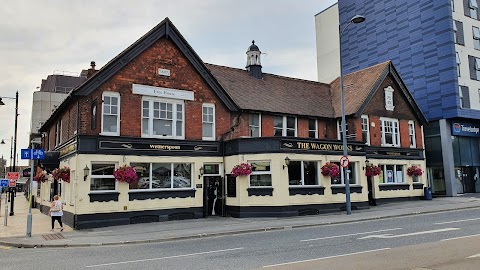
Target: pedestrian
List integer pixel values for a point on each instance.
(56, 212)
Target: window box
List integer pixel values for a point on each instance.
(388, 187)
(260, 191)
(341, 189)
(417, 185)
(306, 190)
(103, 196)
(161, 194)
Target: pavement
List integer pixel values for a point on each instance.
(14, 234)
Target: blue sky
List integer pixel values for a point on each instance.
(39, 38)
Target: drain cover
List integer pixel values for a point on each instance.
(53, 236)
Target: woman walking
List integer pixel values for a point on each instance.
(56, 212)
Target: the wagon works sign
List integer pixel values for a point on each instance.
(319, 146)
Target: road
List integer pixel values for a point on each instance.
(445, 240)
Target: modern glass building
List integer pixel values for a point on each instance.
(435, 46)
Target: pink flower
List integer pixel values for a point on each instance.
(242, 169)
(330, 169)
(126, 174)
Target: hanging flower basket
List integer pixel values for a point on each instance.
(40, 177)
(125, 174)
(242, 169)
(414, 171)
(330, 169)
(372, 170)
(62, 174)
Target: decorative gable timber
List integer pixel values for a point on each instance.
(390, 70)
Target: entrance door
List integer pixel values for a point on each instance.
(213, 196)
(468, 179)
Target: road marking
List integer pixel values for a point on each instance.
(5, 247)
(337, 236)
(384, 236)
(163, 258)
(474, 256)
(455, 221)
(460, 237)
(324, 258)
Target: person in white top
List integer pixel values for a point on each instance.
(56, 212)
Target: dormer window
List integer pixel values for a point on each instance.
(389, 99)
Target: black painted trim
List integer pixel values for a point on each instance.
(303, 190)
(373, 152)
(164, 194)
(89, 144)
(398, 199)
(417, 185)
(341, 189)
(103, 196)
(274, 145)
(289, 210)
(386, 187)
(260, 191)
(97, 220)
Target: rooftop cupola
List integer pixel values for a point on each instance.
(254, 65)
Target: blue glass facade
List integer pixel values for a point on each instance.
(417, 35)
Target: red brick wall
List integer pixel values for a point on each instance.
(375, 132)
(267, 125)
(143, 70)
(402, 111)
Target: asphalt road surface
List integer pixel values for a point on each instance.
(446, 240)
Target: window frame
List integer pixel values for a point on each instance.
(354, 165)
(172, 164)
(212, 106)
(93, 176)
(260, 173)
(459, 62)
(174, 103)
(259, 125)
(411, 134)
(311, 130)
(473, 7)
(460, 95)
(302, 173)
(115, 95)
(365, 117)
(476, 37)
(339, 129)
(395, 134)
(284, 125)
(384, 176)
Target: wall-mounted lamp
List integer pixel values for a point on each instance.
(372, 124)
(201, 172)
(86, 172)
(287, 162)
(367, 164)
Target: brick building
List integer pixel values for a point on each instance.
(184, 124)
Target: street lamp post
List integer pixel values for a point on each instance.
(14, 148)
(346, 171)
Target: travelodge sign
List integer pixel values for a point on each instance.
(465, 129)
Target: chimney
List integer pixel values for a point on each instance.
(91, 71)
(254, 66)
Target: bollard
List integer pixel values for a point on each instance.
(6, 210)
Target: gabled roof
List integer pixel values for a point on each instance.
(163, 29)
(361, 86)
(273, 93)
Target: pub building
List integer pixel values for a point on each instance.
(184, 124)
